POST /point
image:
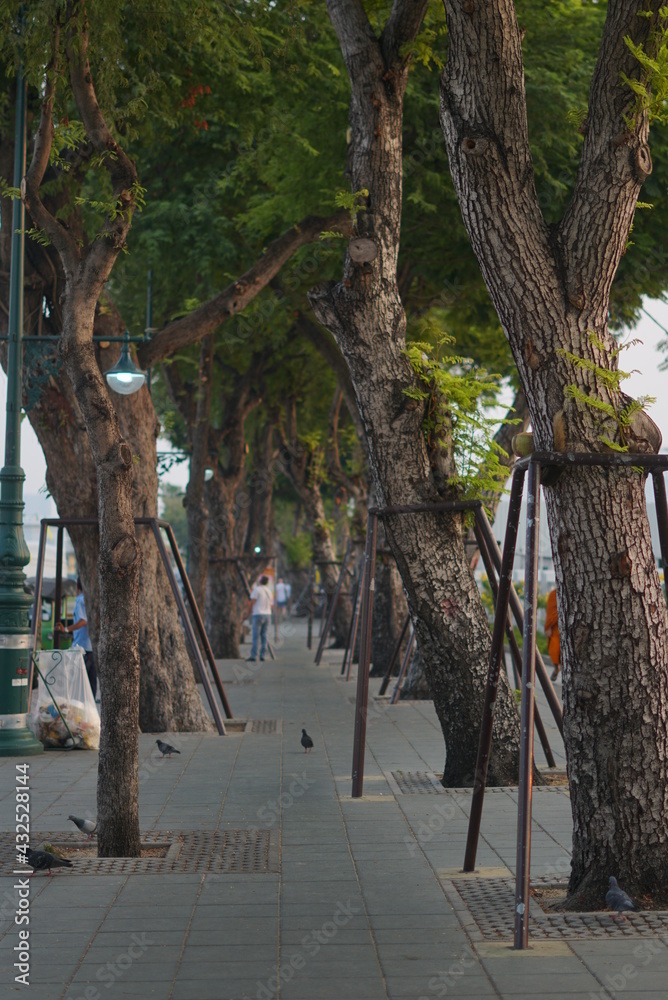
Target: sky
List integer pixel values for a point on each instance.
(643, 359)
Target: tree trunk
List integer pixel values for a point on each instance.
(416, 684)
(365, 314)
(551, 289)
(389, 613)
(261, 513)
(196, 510)
(225, 598)
(296, 465)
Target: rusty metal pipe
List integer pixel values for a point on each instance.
(365, 656)
(525, 789)
(487, 721)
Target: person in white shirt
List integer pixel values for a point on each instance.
(259, 608)
(281, 597)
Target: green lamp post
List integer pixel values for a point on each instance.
(16, 740)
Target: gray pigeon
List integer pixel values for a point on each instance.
(40, 861)
(87, 826)
(617, 899)
(307, 742)
(165, 749)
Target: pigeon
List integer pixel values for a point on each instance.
(165, 749)
(307, 742)
(39, 861)
(87, 826)
(617, 899)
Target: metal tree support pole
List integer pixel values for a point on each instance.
(332, 607)
(15, 639)
(485, 741)
(527, 712)
(395, 657)
(659, 485)
(274, 559)
(355, 596)
(324, 601)
(58, 598)
(156, 525)
(356, 622)
(36, 624)
(516, 656)
(551, 695)
(218, 719)
(365, 656)
(408, 656)
(311, 598)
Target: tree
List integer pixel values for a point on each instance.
(86, 267)
(365, 314)
(551, 285)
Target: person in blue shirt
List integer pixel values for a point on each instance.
(81, 638)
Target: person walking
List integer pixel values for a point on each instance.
(81, 638)
(281, 597)
(259, 608)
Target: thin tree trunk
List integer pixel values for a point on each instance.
(225, 599)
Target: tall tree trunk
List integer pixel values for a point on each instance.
(299, 464)
(197, 512)
(225, 598)
(365, 314)
(551, 288)
(261, 486)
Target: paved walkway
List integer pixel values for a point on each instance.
(353, 900)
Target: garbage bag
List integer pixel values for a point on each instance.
(64, 671)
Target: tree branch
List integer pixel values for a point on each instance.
(402, 26)
(352, 27)
(191, 328)
(615, 157)
(58, 235)
(111, 240)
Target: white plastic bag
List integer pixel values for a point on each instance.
(64, 671)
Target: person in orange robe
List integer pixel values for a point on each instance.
(552, 632)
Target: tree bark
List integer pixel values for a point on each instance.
(261, 486)
(365, 314)
(551, 289)
(225, 598)
(299, 465)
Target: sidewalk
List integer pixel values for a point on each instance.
(277, 884)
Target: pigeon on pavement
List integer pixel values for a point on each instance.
(307, 742)
(40, 861)
(87, 826)
(165, 749)
(617, 899)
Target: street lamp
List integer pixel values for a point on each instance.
(16, 740)
(126, 376)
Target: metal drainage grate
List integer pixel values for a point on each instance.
(232, 851)
(266, 727)
(417, 783)
(491, 903)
